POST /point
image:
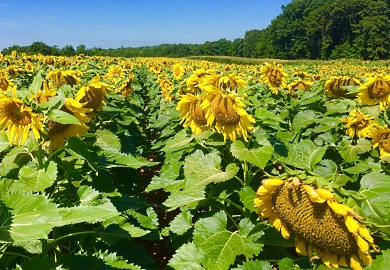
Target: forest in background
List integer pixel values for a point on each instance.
(306, 29)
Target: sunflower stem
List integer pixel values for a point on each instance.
(70, 235)
(239, 180)
(40, 157)
(17, 254)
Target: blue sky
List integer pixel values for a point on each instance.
(131, 23)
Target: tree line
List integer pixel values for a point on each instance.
(306, 29)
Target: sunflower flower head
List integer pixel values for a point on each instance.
(178, 71)
(381, 139)
(273, 76)
(115, 73)
(334, 87)
(323, 228)
(360, 124)
(18, 119)
(192, 114)
(376, 91)
(93, 95)
(226, 113)
(59, 133)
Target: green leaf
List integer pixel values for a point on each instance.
(77, 148)
(287, 264)
(304, 155)
(112, 159)
(179, 142)
(304, 119)
(221, 246)
(13, 159)
(351, 152)
(197, 179)
(107, 140)
(381, 262)
(187, 257)
(254, 265)
(247, 195)
(375, 205)
(38, 180)
(4, 143)
(181, 223)
(26, 217)
(184, 198)
(256, 156)
(35, 86)
(116, 262)
(63, 117)
(12, 186)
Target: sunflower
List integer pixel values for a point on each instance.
(93, 95)
(59, 77)
(29, 67)
(178, 71)
(126, 88)
(59, 133)
(299, 85)
(225, 82)
(166, 89)
(18, 119)
(5, 84)
(334, 86)
(381, 139)
(323, 228)
(195, 80)
(360, 124)
(376, 90)
(45, 93)
(192, 114)
(274, 76)
(228, 112)
(115, 73)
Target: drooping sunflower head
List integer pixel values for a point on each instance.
(126, 88)
(196, 79)
(359, 124)
(226, 113)
(59, 133)
(19, 119)
(5, 83)
(59, 77)
(376, 91)
(300, 85)
(93, 95)
(166, 89)
(228, 83)
(334, 86)
(178, 71)
(46, 92)
(192, 115)
(274, 76)
(323, 228)
(381, 138)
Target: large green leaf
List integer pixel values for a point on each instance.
(304, 155)
(257, 156)
(351, 152)
(304, 119)
(36, 84)
(375, 205)
(254, 265)
(107, 140)
(187, 257)
(38, 180)
(200, 170)
(26, 217)
(221, 246)
(381, 262)
(63, 117)
(181, 223)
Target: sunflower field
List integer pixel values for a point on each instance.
(158, 163)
